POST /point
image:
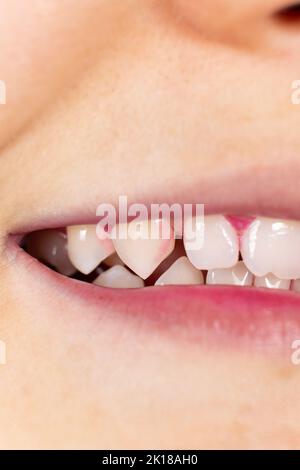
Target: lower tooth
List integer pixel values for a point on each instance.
(180, 272)
(272, 282)
(238, 276)
(296, 285)
(50, 246)
(119, 277)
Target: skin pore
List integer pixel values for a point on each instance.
(140, 97)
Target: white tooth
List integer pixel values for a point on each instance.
(50, 246)
(141, 253)
(272, 282)
(119, 277)
(180, 272)
(220, 248)
(296, 285)
(272, 246)
(85, 249)
(238, 276)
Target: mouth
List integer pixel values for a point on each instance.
(240, 289)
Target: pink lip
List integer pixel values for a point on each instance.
(261, 320)
(268, 193)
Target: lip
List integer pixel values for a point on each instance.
(261, 320)
(221, 317)
(246, 192)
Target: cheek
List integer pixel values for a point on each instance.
(44, 48)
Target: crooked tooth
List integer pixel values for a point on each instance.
(238, 276)
(142, 254)
(220, 248)
(119, 277)
(272, 282)
(272, 246)
(86, 250)
(180, 272)
(50, 246)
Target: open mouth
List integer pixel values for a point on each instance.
(241, 288)
(258, 252)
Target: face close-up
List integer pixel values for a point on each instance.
(149, 342)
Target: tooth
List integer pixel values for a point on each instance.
(143, 254)
(272, 282)
(86, 250)
(220, 246)
(180, 272)
(296, 285)
(238, 276)
(272, 246)
(119, 277)
(50, 246)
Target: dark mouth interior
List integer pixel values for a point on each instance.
(289, 15)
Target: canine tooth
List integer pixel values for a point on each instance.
(272, 246)
(50, 246)
(85, 249)
(272, 282)
(238, 276)
(220, 246)
(141, 253)
(119, 277)
(180, 272)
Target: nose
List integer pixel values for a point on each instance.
(246, 23)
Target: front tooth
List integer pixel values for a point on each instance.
(86, 250)
(180, 272)
(220, 248)
(238, 276)
(50, 246)
(119, 277)
(272, 282)
(272, 246)
(141, 253)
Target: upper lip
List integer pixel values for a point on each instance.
(269, 191)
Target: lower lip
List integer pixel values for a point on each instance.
(261, 320)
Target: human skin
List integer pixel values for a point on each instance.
(143, 98)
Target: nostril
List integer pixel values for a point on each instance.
(289, 15)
